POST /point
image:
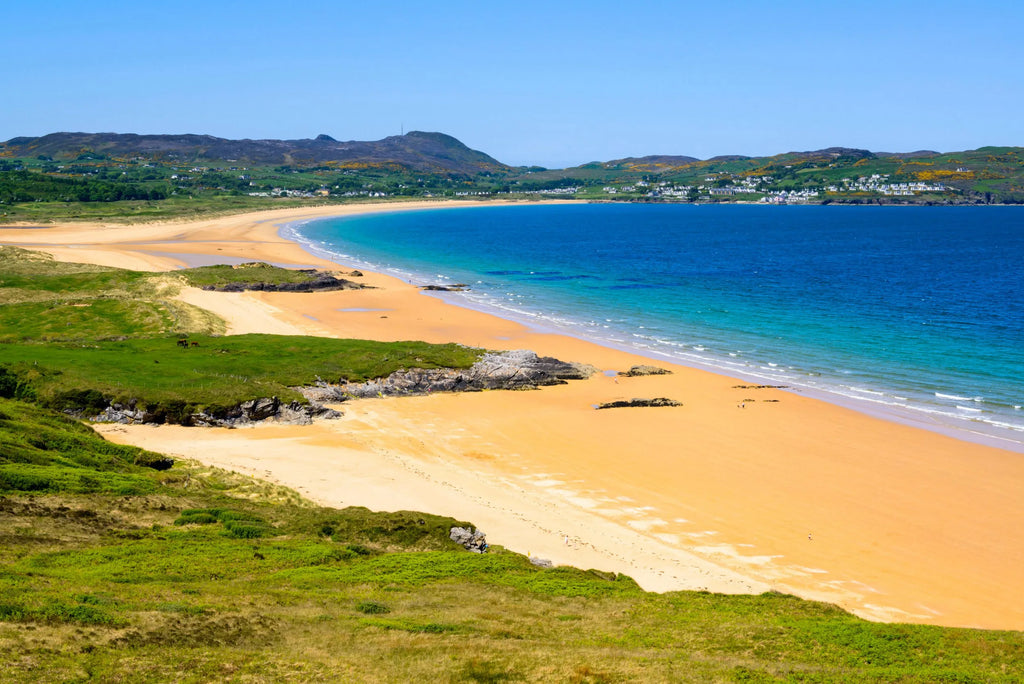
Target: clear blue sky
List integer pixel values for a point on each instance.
(550, 83)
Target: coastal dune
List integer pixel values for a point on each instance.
(739, 489)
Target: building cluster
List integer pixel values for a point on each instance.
(323, 192)
(878, 183)
(788, 196)
(723, 185)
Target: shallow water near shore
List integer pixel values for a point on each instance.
(912, 313)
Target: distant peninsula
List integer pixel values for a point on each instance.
(149, 177)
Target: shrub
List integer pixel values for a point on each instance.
(79, 400)
(372, 608)
(21, 481)
(196, 519)
(245, 529)
(236, 524)
(10, 386)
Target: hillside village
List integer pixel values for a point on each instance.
(37, 175)
(763, 189)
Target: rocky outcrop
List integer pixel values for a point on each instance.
(637, 371)
(637, 403)
(320, 282)
(512, 370)
(471, 539)
(246, 413)
(458, 287)
(256, 410)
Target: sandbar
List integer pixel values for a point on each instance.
(787, 493)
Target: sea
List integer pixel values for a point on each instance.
(911, 313)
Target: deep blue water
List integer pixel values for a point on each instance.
(916, 311)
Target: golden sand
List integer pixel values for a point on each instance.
(789, 493)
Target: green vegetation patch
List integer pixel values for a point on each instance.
(236, 524)
(48, 300)
(46, 452)
(405, 529)
(501, 569)
(28, 270)
(55, 612)
(253, 272)
(214, 373)
(95, 319)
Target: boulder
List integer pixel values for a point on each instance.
(471, 539)
(260, 409)
(638, 403)
(458, 287)
(637, 371)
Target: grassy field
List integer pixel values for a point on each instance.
(46, 300)
(113, 571)
(141, 211)
(220, 372)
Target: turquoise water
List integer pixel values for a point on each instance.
(916, 313)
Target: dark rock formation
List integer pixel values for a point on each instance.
(246, 413)
(505, 370)
(472, 539)
(637, 371)
(255, 410)
(458, 287)
(322, 282)
(634, 403)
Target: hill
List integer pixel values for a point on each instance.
(416, 151)
(830, 175)
(127, 177)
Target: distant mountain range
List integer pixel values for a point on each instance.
(988, 174)
(415, 151)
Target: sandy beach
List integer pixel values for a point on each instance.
(788, 493)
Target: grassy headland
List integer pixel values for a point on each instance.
(79, 337)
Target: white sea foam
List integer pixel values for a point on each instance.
(953, 397)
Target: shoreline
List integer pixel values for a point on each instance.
(793, 494)
(878, 401)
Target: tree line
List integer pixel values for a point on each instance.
(28, 186)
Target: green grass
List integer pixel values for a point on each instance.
(140, 211)
(254, 272)
(153, 586)
(78, 337)
(219, 373)
(44, 299)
